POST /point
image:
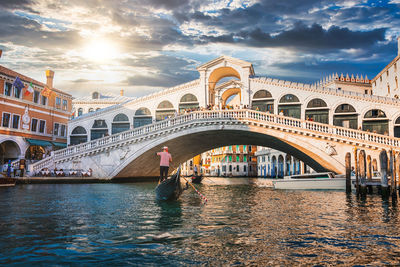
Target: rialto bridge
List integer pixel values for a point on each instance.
(120, 141)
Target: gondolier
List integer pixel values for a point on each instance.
(165, 159)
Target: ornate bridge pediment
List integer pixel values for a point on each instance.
(225, 61)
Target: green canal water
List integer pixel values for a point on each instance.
(242, 225)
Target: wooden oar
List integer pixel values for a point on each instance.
(200, 194)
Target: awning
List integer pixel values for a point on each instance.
(36, 142)
(58, 144)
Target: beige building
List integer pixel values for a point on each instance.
(386, 83)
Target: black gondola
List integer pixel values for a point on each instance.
(197, 179)
(171, 188)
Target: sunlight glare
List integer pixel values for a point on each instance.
(100, 50)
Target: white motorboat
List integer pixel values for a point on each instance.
(322, 180)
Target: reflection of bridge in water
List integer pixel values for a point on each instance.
(132, 153)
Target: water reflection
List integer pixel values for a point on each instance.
(240, 225)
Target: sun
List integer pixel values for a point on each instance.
(100, 50)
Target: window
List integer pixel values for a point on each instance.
(366, 92)
(237, 168)
(65, 104)
(34, 125)
(44, 100)
(15, 123)
(244, 158)
(80, 111)
(36, 96)
(17, 92)
(244, 168)
(56, 126)
(42, 126)
(91, 110)
(230, 158)
(7, 89)
(6, 120)
(237, 158)
(62, 131)
(249, 148)
(58, 102)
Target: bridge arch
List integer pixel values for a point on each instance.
(290, 105)
(188, 101)
(78, 135)
(228, 93)
(190, 142)
(120, 123)
(345, 115)
(9, 150)
(376, 121)
(220, 73)
(142, 117)
(164, 110)
(317, 110)
(262, 100)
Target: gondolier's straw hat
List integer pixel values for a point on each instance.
(165, 147)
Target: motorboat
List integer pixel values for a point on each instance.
(313, 181)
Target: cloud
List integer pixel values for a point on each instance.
(86, 81)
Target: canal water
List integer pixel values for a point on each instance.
(122, 224)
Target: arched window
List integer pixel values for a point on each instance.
(99, 129)
(289, 105)
(164, 110)
(188, 101)
(91, 110)
(375, 121)
(97, 109)
(317, 110)
(397, 127)
(142, 117)
(120, 123)
(262, 101)
(280, 166)
(80, 111)
(95, 95)
(78, 136)
(345, 115)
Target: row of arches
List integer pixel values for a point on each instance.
(345, 115)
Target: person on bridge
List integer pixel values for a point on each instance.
(165, 159)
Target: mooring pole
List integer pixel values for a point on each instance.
(383, 158)
(369, 173)
(363, 167)
(394, 180)
(356, 170)
(348, 172)
(390, 172)
(398, 169)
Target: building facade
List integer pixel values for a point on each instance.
(272, 163)
(32, 123)
(96, 101)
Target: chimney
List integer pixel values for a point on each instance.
(121, 92)
(49, 76)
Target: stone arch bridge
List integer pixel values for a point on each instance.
(132, 153)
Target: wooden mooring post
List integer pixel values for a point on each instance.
(356, 170)
(397, 172)
(393, 184)
(348, 172)
(362, 168)
(383, 158)
(369, 174)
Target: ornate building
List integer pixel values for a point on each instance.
(34, 116)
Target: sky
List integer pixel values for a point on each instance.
(143, 46)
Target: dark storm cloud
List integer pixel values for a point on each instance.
(304, 37)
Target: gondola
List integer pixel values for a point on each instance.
(171, 188)
(196, 179)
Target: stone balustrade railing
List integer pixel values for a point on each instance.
(212, 116)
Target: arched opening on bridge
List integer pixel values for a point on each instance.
(345, 115)
(375, 121)
(397, 127)
(99, 129)
(231, 97)
(188, 102)
(289, 105)
(120, 123)
(9, 150)
(142, 117)
(78, 135)
(80, 111)
(216, 76)
(91, 110)
(288, 161)
(263, 101)
(317, 110)
(164, 110)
